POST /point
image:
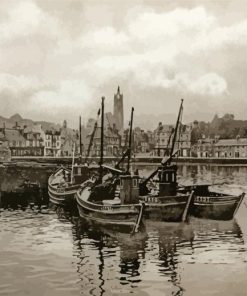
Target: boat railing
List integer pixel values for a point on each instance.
(217, 198)
(62, 189)
(162, 199)
(114, 208)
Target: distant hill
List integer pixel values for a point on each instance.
(17, 119)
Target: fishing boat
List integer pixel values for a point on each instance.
(163, 202)
(96, 198)
(211, 204)
(202, 202)
(114, 212)
(63, 183)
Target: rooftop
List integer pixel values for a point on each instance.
(232, 142)
(13, 135)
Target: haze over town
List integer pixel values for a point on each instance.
(58, 58)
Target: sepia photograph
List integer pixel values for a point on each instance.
(123, 147)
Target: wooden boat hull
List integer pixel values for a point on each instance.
(65, 198)
(122, 215)
(212, 205)
(171, 209)
(216, 208)
(62, 187)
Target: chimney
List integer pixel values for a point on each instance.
(195, 124)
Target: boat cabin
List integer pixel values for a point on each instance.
(129, 189)
(167, 180)
(80, 173)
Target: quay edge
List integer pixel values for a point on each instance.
(138, 159)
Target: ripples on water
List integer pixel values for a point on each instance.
(48, 252)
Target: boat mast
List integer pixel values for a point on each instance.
(176, 131)
(102, 138)
(80, 145)
(73, 161)
(167, 161)
(130, 140)
(92, 137)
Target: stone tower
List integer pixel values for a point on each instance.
(118, 110)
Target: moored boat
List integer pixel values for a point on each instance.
(165, 203)
(109, 211)
(202, 202)
(63, 184)
(214, 205)
(97, 202)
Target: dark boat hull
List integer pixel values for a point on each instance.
(125, 216)
(216, 208)
(208, 204)
(171, 209)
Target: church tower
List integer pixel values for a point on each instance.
(118, 110)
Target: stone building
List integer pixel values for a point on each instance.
(112, 142)
(163, 136)
(231, 148)
(24, 141)
(52, 140)
(203, 148)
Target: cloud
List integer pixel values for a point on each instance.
(105, 37)
(209, 84)
(169, 24)
(24, 19)
(154, 45)
(60, 67)
(68, 94)
(20, 84)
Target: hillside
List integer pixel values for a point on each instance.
(17, 119)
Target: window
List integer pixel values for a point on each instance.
(134, 182)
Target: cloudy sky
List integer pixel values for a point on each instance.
(58, 57)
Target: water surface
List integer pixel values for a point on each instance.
(49, 252)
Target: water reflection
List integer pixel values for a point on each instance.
(157, 254)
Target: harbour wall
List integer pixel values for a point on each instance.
(53, 161)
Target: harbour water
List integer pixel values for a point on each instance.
(46, 251)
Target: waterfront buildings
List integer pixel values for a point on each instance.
(52, 143)
(163, 136)
(231, 148)
(112, 142)
(24, 141)
(203, 148)
(220, 148)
